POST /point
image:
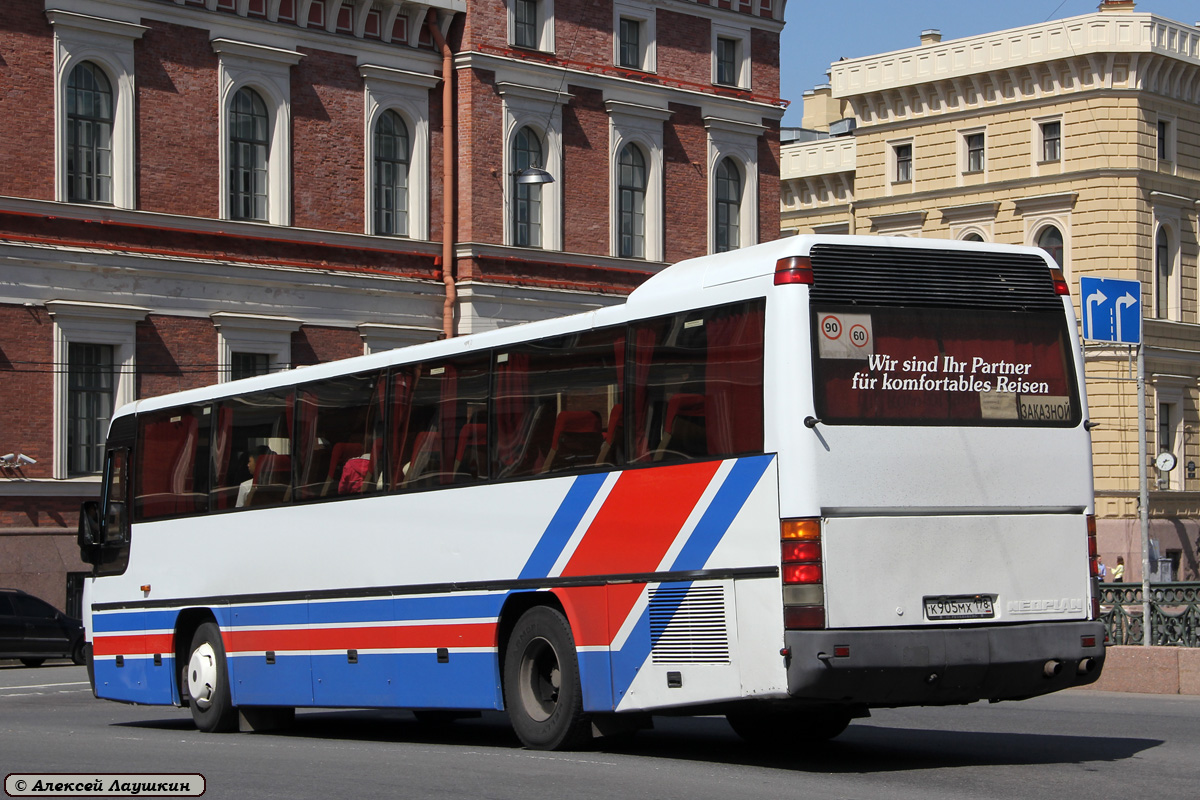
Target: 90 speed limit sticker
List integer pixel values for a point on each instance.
(845, 336)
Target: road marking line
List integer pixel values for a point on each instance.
(43, 685)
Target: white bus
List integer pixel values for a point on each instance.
(787, 484)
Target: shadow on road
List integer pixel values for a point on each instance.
(863, 748)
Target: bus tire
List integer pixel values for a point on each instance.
(208, 682)
(775, 729)
(541, 683)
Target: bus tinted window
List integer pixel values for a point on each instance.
(557, 403)
(697, 384)
(340, 437)
(252, 450)
(439, 423)
(172, 464)
(929, 365)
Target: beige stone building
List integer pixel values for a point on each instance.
(1081, 136)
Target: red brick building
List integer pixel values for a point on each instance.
(194, 190)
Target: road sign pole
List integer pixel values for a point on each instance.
(1143, 492)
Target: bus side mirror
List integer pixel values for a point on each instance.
(91, 532)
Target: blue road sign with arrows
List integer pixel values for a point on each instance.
(1112, 310)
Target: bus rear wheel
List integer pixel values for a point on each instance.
(775, 729)
(541, 683)
(208, 682)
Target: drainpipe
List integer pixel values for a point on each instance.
(449, 205)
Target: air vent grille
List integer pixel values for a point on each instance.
(851, 275)
(687, 625)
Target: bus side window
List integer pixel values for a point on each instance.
(340, 434)
(249, 431)
(552, 399)
(171, 464)
(697, 384)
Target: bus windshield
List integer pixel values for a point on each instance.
(938, 366)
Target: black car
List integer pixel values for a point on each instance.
(33, 630)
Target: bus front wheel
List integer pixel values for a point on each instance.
(208, 682)
(541, 683)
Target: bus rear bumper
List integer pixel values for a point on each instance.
(942, 666)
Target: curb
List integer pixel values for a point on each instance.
(1150, 670)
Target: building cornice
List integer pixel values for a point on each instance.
(1096, 35)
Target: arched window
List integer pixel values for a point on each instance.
(972, 237)
(89, 135)
(527, 197)
(1162, 268)
(1051, 240)
(391, 175)
(631, 203)
(729, 206)
(249, 144)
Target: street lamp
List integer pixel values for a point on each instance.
(533, 175)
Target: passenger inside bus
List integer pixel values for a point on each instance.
(253, 461)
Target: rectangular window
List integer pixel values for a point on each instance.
(340, 438)
(91, 389)
(252, 450)
(904, 154)
(558, 404)
(697, 384)
(974, 143)
(727, 61)
(525, 24)
(248, 365)
(939, 366)
(172, 463)
(630, 50)
(1051, 141)
(1164, 140)
(439, 432)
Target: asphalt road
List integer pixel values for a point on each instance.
(1072, 745)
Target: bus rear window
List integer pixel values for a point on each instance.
(931, 366)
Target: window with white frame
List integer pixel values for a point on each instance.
(252, 344)
(255, 122)
(397, 152)
(733, 183)
(902, 162)
(1164, 273)
(634, 36)
(731, 56)
(249, 154)
(1169, 391)
(728, 212)
(1050, 140)
(636, 157)
(95, 348)
(1050, 239)
(973, 143)
(89, 135)
(531, 24)
(94, 109)
(533, 138)
(1165, 130)
(391, 175)
(631, 202)
(527, 197)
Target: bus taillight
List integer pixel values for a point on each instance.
(1093, 564)
(803, 588)
(796, 269)
(1060, 281)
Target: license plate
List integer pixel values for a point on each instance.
(977, 606)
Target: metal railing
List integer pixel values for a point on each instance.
(1174, 613)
